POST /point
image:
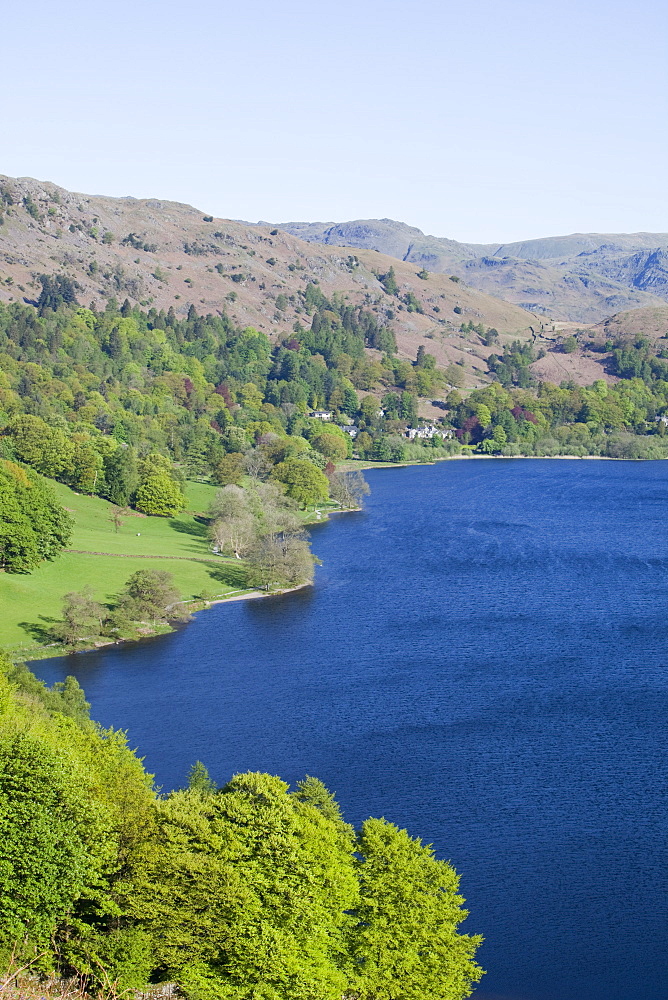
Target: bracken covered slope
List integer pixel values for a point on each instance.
(164, 254)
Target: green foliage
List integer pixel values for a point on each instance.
(249, 892)
(148, 594)
(57, 290)
(412, 303)
(46, 862)
(121, 476)
(33, 525)
(227, 469)
(331, 445)
(279, 562)
(260, 523)
(160, 496)
(47, 449)
(512, 368)
(454, 376)
(406, 922)
(31, 208)
(85, 394)
(389, 282)
(348, 488)
(199, 780)
(82, 618)
(303, 481)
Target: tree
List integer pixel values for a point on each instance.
(280, 561)
(256, 464)
(120, 475)
(46, 861)
(348, 488)
(569, 345)
(275, 512)
(408, 408)
(331, 445)
(454, 376)
(405, 941)
(33, 525)
(57, 290)
(199, 780)
(228, 468)
(247, 894)
(304, 483)
(160, 496)
(389, 282)
(83, 617)
(233, 527)
(19, 552)
(116, 516)
(500, 436)
(47, 449)
(148, 594)
(483, 414)
(86, 465)
(363, 443)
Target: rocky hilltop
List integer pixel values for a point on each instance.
(583, 277)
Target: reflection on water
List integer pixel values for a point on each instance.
(483, 660)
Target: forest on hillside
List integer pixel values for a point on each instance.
(126, 404)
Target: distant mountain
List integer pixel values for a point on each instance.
(582, 278)
(165, 254)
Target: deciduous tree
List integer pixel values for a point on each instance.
(160, 496)
(303, 482)
(405, 941)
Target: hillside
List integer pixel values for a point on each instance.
(651, 322)
(583, 277)
(165, 254)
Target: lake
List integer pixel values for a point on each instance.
(482, 659)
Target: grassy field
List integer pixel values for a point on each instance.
(106, 558)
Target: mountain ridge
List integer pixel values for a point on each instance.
(581, 277)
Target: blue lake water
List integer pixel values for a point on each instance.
(482, 659)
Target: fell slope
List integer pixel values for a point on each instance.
(167, 254)
(583, 277)
(651, 323)
(170, 254)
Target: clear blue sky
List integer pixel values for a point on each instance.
(473, 119)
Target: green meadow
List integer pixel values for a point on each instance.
(104, 559)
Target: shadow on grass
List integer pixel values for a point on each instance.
(231, 574)
(41, 633)
(197, 527)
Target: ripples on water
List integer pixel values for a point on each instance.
(483, 660)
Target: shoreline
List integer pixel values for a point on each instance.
(363, 465)
(258, 594)
(253, 595)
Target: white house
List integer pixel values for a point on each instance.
(321, 414)
(427, 432)
(419, 432)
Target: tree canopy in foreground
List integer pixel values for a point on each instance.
(253, 890)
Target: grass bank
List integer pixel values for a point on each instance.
(103, 558)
